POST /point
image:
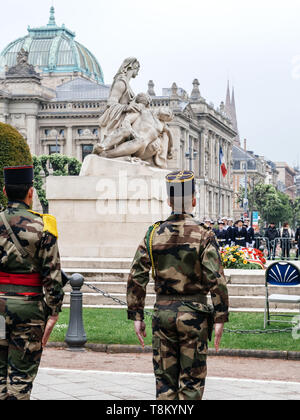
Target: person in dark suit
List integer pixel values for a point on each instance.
(272, 234)
(240, 235)
(297, 240)
(250, 232)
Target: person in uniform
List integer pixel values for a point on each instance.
(186, 266)
(239, 234)
(207, 223)
(250, 232)
(229, 231)
(225, 221)
(31, 292)
(221, 235)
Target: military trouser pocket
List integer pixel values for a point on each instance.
(2, 328)
(200, 354)
(32, 339)
(157, 359)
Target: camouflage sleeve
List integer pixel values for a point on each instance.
(137, 283)
(215, 279)
(51, 272)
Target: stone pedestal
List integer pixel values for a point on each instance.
(107, 210)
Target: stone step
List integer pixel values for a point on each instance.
(235, 301)
(100, 274)
(90, 263)
(233, 289)
(121, 274)
(245, 276)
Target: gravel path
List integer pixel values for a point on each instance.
(227, 367)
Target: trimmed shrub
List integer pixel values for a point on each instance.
(14, 151)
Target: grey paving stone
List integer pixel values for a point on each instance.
(52, 384)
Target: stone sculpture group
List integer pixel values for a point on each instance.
(129, 128)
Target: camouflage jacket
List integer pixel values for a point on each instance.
(30, 231)
(187, 262)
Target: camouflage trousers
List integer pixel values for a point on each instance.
(180, 336)
(21, 351)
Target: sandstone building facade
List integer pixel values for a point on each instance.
(55, 96)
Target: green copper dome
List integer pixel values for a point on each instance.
(54, 50)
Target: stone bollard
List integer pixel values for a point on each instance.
(76, 336)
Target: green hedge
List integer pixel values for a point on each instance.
(14, 151)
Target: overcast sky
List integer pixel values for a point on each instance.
(255, 44)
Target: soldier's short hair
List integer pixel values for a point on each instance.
(181, 190)
(17, 192)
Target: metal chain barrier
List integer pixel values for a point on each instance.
(226, 330)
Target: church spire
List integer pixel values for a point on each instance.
(234, 117)
(228, 101)
(52, 17)
(230, 110)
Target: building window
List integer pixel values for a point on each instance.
(87, 149)
(252, 164)
(236, 164)
(47, 132)
(80, 131)
(54, 149)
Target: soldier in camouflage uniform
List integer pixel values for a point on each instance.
(186, 266)
(31, 291)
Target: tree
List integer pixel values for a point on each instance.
(14, 151)
(295, 207)
(272, 205)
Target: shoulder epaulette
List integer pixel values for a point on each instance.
(50, 224)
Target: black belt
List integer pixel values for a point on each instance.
(182, 298)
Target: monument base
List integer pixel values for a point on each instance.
(107, 210)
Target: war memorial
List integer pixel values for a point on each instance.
(127, 144)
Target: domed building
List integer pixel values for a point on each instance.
(52, 91)
(54, 53)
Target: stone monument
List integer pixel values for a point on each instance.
(121, 188)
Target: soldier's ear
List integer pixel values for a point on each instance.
(30, 193)
(4, 192)
(194, 202)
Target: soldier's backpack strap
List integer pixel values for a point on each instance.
(149, 243)
(13, 237)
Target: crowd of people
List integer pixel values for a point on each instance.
(241, 233)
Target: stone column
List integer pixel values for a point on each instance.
(3, 112)
(213, 156)
(31, 123)
(69, 142)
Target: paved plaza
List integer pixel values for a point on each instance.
(62, 384)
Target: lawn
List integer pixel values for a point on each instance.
(110, 326)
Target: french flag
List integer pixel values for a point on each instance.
(222, 163)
